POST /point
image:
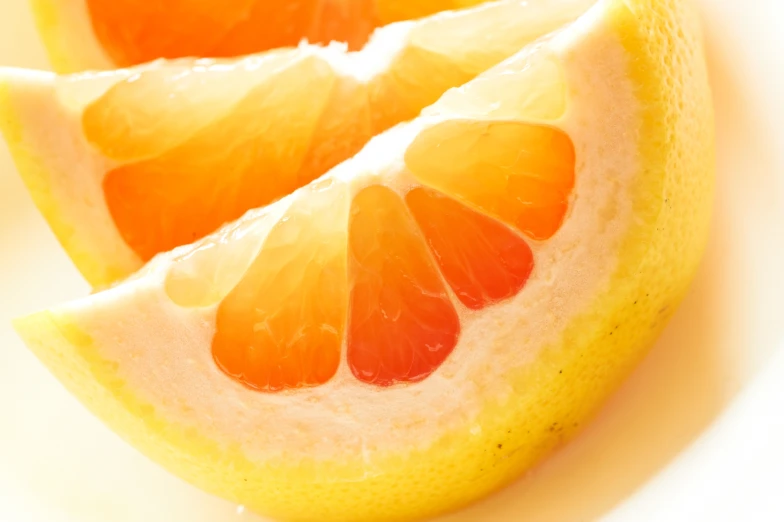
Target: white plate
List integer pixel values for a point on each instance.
(656, 451)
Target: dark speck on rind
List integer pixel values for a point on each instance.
(500, 446)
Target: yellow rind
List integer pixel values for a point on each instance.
(36, 175)
(553, 396)
(68, 36)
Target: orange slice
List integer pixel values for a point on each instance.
(131, 163)
(103, 34)
(427, 320)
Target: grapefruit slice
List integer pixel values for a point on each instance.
(430, 318)
(131, 163)
(105, 34)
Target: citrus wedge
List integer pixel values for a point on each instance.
(130, 163)
(105, 34)
(429, 319)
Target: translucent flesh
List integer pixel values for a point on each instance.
(520, 173)
(526, 87)
(136, 31)
(417, 78)
(227, 155)
(402, 324)
(159, 108)
(203, 275)
(482, 260)
(282, 326)
(251, 156)
(197, 143)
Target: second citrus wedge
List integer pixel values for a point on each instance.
(130, 163)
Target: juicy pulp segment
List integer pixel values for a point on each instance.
(483, 261)
(297, 123)
(134, 31)
(203, 275)
(402, 324)
(345, 125)
(518, 172)
(529, 86)
(282, 326)
(157, 108)
(190, 190)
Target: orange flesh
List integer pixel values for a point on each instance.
(269, 146)
(137, 31)
(483, 261)
(378, 264)
(402, 324)
(199, 146)
(520, 173)
(282, 326)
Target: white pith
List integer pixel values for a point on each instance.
(162, 351)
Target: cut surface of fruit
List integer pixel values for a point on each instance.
(402, 324)
(483, 261)
(528, 187)
(131, 163)
(282, 325)
(502, 260)
(90, 34)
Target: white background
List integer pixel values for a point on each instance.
(695, 434)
